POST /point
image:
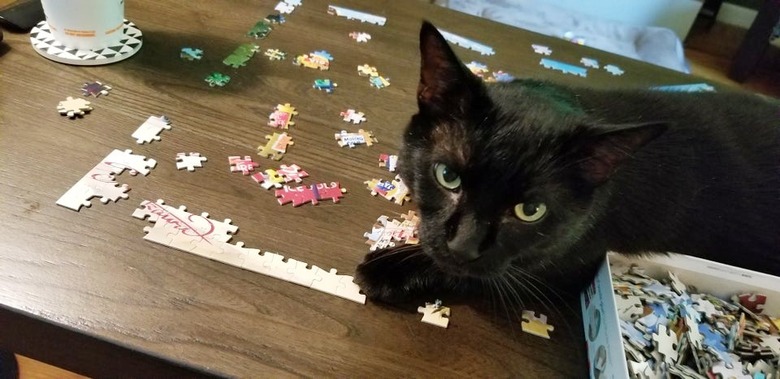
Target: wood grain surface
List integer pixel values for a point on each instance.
(84, 291)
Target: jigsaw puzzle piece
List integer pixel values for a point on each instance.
(292, 173)
(73, 107)
(118, 160)
(189, 161)
(536, 325)
(149, 130)
(435, 314)
(243, 165)
(261, 263)
(269, 178)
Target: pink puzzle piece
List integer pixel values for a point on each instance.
(269, 178)
(292, 173)
(244, 165)
(310, 194)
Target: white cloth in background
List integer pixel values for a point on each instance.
(656, 45)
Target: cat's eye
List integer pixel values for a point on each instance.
(446, 176)
(530, 212)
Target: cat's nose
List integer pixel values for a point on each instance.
(465, 243)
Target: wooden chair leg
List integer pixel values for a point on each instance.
(756, 41)
(9, 368)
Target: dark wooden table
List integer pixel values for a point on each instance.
(84, 291)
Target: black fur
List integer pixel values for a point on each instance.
(632, 171)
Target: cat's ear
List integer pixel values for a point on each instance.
(446, 85)
(607, 146)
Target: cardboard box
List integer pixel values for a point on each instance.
(600, 317)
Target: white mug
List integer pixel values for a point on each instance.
(85, 24)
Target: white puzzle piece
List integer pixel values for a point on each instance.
(350, 14)
(202, 236)
(149, 131)
(435, 314)
(100, 181)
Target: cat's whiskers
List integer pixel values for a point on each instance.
(395, 251)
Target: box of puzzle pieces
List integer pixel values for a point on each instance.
(674, 316)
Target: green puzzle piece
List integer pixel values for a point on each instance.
(217, 79)
(235, 60)
(260, 30)
(247, 50)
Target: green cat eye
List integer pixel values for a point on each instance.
(530, 212)
(446, 176)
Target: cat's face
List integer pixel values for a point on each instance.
(503, 175)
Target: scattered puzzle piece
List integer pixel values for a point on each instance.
(698, 87)
(388, 161)
(362, 137)
(244, 165)
(400, 193)
(275, 54)
(435, 314)
(360, 36)
(283, 7)
(269, 178)
(275, 18)
(241, 55)
(478, 69)
(350, 14)
(614, 70)
(753, 302)
(350, 115)
(367, 70)
(190, 161)
(310, 194)
(191, 54)
(536, 325)
(541, 49)
(282, 117)
(318, 60)
(324, 85)
(100, 180)
(564, 67)
(276, 146)
(589, 62)
(501, 77)
(467, 43)
(379, 187)
(396, 190)
(217, 79)
(260, 30)
(379, 81)
(95, 89)
(151, 128)
(292, 173)
(73, 107)
(385, 232)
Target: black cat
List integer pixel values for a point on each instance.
(534, 181)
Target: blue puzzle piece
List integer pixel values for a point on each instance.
(660, 290)
(712, 338)
(629, 331)
(652, 321)
(564, 67)
(191, 54)
(324, 54)
(698, 87)
(659, 309)
(501, 76)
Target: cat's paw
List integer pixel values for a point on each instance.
(393, 275)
